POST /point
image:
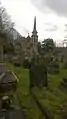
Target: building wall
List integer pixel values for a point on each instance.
(26, 47)
(61, 53)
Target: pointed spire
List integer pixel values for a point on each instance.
(34, 23)
(34, 29)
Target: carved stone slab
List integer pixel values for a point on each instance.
(12, 114)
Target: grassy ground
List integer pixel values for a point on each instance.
(53, 98)
(22, 96)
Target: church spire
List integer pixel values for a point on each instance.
(34, 29)
(35, 23)
(35, 38)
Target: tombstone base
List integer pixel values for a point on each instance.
(15, 113)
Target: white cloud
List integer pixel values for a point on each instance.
(23, 12)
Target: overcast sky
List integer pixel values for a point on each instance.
(51, 16)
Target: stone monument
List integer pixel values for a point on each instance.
(8, 85)
(3, 42)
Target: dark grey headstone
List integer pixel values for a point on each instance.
(12, 114)
(3, 68)
(8, 82)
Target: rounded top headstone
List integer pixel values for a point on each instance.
(8, 83)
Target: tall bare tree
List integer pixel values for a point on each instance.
(5, 21)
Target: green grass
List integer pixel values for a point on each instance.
(22, 96)
(53, 97)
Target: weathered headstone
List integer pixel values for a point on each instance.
(3, 68)
(64, 83)
(53, 67)
(15, 113)
(3, 42)
(38, 75)
(8, 82)
(1, 53)
(65, 64)
(8, 85)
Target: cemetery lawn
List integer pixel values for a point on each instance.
(54, 98)
(22, 96)
(51, 98)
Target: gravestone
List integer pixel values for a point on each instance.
(38, 75)
(1, 53)
(64, 83)
(3, 68)
(8, 83)
(65, 64)
(3, 42)
(53, 67)
(15, 113)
